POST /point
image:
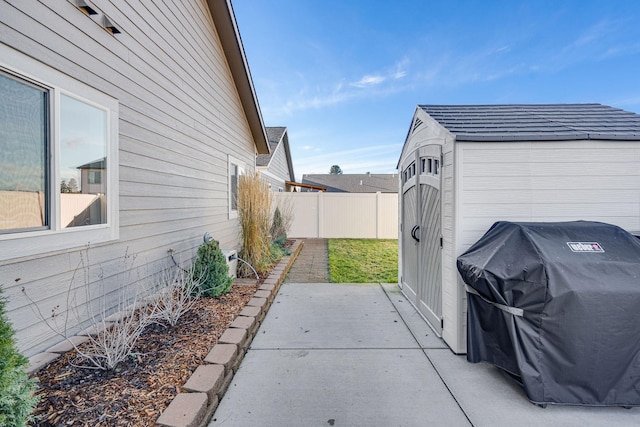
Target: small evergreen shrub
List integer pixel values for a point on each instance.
(16, 389)
(211, 269)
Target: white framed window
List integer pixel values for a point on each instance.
(58, 160)
(236, 168)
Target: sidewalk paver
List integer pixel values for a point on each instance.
(312, 264)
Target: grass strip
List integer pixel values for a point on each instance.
(363, 261)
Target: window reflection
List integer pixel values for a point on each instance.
(235, 172)
(83, 147)
(23, 148)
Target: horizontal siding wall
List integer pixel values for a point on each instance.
(340, 215)
(278, 165)
(273, 181)
(180, 119)
(547, 181)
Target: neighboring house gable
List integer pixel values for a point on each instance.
(92, 177)
(277, 167)
(354, 183)
(168, 102)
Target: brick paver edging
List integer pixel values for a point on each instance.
(202, 392)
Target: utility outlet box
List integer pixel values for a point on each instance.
(232, 261)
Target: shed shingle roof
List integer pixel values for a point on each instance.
(536, 122)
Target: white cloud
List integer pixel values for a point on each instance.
(599, 42)
(631, 102)
(339, 94)
(400, 71)
(399, 74)
(327, 94)
(593, 34)
(369, 80)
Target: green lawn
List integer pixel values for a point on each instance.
(363, 261)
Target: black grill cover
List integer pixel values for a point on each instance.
(558, 308)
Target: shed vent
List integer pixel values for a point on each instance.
(416, 124)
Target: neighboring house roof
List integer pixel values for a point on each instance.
(227, 28)
(96, 164)
(354, 183)
(277, 137)
(535, 122)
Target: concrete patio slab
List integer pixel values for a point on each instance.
(492, 400)
(325, 315)
(416, 324)
(360, 355)
(354, 387)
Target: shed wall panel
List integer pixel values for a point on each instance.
(558, 181)
(453, 321)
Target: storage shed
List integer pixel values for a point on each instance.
(464, 167)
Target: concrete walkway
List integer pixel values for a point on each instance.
(360, 355)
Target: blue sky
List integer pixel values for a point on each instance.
(345, 76)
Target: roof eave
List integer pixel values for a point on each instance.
(305, 185)
(227, 28)
(287, 150)
(415, 112)
(545, 137)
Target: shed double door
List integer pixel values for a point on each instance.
(421, 232)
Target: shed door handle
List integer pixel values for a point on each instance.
(414, 230)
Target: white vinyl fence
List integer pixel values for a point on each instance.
(341, 215)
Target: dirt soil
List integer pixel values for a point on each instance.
(135, 393)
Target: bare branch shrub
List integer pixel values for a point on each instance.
(114, 343)
(175, 293)
(112, 338)
(282, 216)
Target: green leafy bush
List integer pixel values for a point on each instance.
(211, 269)
(16, 389)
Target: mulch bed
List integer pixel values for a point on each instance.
(135, 393)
